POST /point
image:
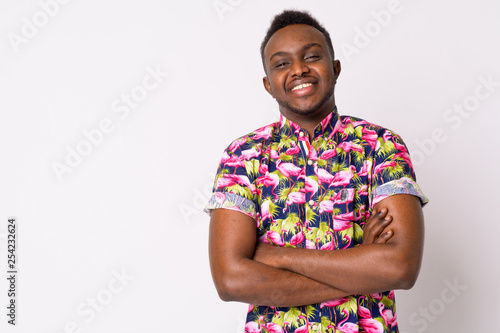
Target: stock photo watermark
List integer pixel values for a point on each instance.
(371, 30)
(427, 314)
(12, 270)
(122, 107)
(454, 118)
(222, 7)
(30, 27)
(88, 309)
(199, 199)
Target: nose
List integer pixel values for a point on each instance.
(299, 68)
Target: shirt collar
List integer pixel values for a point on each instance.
(326, 128)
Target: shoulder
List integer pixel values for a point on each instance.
(364, 129)
(255, 139)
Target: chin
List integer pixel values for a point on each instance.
(302, 110)
(309, 109)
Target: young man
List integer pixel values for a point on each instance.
(317, 218)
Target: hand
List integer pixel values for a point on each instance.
(374, 229)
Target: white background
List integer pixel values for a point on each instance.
(133, 204)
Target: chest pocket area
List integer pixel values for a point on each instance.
(343, 217)
(343, 213)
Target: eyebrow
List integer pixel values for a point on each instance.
(304, 48)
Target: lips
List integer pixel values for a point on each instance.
(301, 86)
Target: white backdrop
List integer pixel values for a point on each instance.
(114, 115)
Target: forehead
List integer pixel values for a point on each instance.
(292, 38)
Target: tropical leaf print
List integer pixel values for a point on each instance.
(316, 194)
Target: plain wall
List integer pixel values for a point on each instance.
(107, 166)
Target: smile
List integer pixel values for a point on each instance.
(301, 86)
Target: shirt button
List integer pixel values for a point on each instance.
(310, 162)
(301, 134)
(311, 203)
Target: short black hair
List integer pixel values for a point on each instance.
(291, 17)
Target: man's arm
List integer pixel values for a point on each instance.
(238, 277)
(365, 269)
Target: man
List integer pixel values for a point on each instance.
(317, 218)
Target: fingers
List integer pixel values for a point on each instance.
(384, 237)
(374, 228)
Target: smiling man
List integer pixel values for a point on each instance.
(317, 218)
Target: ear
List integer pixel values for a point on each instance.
(336, 69)
(267, 85)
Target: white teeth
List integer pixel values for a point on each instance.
(300, 86)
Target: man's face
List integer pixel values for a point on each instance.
(301, 73)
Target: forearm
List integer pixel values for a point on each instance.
(369, 268)
(361, 270)
(256, 283)
(238, 277)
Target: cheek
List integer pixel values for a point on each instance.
(278, 80)
(329, 77)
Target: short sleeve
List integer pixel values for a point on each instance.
(233, 186)
(392, 171)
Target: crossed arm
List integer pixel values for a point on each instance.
(264, 274)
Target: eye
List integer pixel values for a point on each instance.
(312, 57)
(281, 64)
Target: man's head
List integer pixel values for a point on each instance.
(290, 17)
(300, 68)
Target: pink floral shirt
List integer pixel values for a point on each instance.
(317, 195)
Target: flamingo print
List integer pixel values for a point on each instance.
(263, 168)
(364, 312)
(264, 208)
(263, 133)
(268, 175)
(275, 238)
(340, 225)
(371, 325)
(250, 153)
(231, 180)
(297, 239)
(253, 327)
(270, 179)
(273, 328)
(334, 302)
(237, 144)
(347, 327)
(293, 151)
(329, 154)
(387, 135)
(348, 239)
(311, 186)
(326, 206)
(323, 175)
(220, 197)
(347, 146)
(389, 317)
(366, 169)
(289, 169)
(384, 166)
(328, 245)
(296, 198)
(232, 161)
(343, 177)
(405, 156)
(371, 137)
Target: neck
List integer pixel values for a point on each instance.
(308, 122)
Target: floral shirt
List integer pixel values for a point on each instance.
(317, 195)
